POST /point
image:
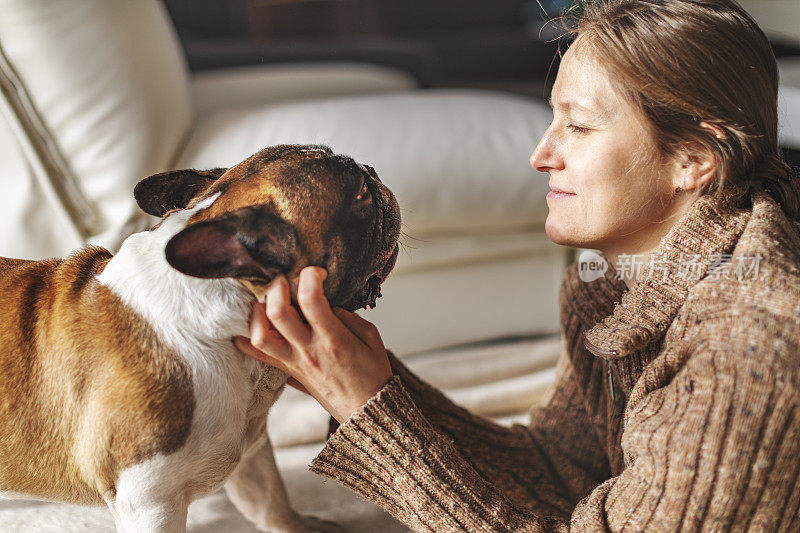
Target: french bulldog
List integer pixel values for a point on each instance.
(119, 381)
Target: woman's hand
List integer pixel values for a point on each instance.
(337, 357)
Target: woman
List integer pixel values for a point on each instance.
(676, 404)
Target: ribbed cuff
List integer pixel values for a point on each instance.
(371, 452)
(379, 429)
(388, 452)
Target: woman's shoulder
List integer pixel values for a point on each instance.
(761, 272)
(747, 333)
(747, 305)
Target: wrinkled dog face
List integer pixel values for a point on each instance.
(282, 209)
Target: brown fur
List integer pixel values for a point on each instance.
(251, 183)
(88, 390)
(270, 177)
(76, 405)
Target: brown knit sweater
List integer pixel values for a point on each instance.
(676, 405)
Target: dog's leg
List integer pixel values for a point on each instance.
(140, 510)
(256, 489)
(159, 516)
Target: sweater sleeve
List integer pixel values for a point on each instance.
(705, 452)
(561, 450)
(569, 456)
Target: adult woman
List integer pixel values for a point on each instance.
(676, 402)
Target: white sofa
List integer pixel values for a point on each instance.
(97, 95)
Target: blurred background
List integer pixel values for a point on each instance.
(442, 43)
(508, 46)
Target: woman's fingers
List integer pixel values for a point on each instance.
(361, 328)
(244, 345)
(336, 356)
(260, 328)
(314, 304)
(282, 315)
(264, 337)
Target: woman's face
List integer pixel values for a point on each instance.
(599, 149)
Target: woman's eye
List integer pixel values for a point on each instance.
(578, 129)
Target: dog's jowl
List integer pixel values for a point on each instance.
(119, 383)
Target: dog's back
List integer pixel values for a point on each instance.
(85, 388)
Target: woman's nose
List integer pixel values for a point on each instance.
(545, 156)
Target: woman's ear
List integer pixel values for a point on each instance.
(696, 165)
(160, 193)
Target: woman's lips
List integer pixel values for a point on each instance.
(555, 194)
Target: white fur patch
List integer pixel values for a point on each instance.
(205, 203)
(197, 318)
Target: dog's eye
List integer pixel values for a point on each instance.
(363, 192)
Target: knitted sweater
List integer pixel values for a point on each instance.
(676, 404)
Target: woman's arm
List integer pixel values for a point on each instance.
(561, 445)
(715, 449)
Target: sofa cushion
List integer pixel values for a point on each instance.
(213, 90)
(448, 290)
(789, 117)
(108, 84)
(456, 159)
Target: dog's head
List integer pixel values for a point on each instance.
(282, 209)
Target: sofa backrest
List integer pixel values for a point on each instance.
(96, 94)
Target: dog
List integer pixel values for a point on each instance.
(119, 381)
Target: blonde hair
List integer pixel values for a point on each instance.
(683, 62)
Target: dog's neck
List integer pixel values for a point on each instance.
(184, 311)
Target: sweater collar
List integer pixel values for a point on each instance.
(710, 228)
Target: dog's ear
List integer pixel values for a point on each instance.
(164, 192)
(250, 243)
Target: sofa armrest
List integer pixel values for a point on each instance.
(245, 86)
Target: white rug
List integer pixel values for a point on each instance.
(501, 380)
(310, 494)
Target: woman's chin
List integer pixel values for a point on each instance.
(558, 235)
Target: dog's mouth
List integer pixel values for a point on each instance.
(372, 288)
